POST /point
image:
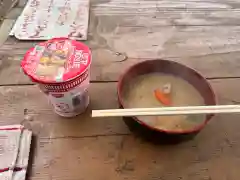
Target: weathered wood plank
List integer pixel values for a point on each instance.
(124, 32)
(21, 3)
(150, 29)
(149, 13)
(45, 123)
(85, 145)
(151, 42)
(110, 34)
(210, 44)
(214, 158)
(106, 67)
(213, 154)
(6, 5)
(14, 13)
(5, 28)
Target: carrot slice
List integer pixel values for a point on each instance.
(163, 98)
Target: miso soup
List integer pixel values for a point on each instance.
(146, 91)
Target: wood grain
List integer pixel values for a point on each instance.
(167, 13)
(5, 29)
(150, 42)
(149, 13)
(28, 106)
(225, 65)
(6, 6)
(21, 3)
(212, 155)
(15, 100)
(14, 13)
(201, 34)
(218, 47)
(181, 31)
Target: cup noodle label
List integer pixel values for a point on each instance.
(69, 102)
(61, 69)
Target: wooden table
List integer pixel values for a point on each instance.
(204, 35)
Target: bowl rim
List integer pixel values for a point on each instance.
(193, 130)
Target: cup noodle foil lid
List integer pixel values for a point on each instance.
(57, 60)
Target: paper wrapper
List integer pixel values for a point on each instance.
(9, 145)
(15, 144)
(10, 175)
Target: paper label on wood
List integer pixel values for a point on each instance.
(42, 20)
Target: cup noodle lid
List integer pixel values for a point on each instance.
(57, 60)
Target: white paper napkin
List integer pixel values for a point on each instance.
(15, 142)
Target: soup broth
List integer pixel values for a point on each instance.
(139, 93)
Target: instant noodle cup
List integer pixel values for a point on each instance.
(61, 68)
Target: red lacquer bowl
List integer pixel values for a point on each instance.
(176, 69)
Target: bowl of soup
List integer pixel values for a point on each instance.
(164, 83)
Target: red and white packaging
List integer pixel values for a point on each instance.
(61, 68)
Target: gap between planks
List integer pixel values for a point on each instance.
(107, 81)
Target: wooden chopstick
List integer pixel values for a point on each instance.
(162, 111)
